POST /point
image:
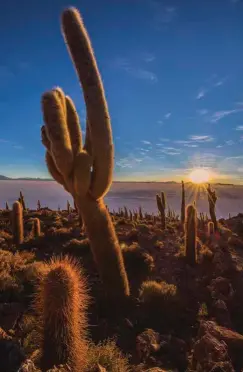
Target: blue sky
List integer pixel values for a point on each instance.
(172, 72)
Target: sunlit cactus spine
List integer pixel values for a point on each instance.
(161, 204)
(212, 198)
(210, 228)
(36, 228)
(61, 303)
(85, 171)
(38, 205)
(183, 203)
(191, 234)
(17, 223)
(22, 201)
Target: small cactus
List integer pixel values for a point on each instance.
(17, 223)
(191, 234)
(212, 198)
(61, 302)
(183, 203)
(7, 207)
(38, 205)
(161, 204)
(22, 201)
(210, 228)
(68, 207)
(85, 171)
(36, 229)
(140, 213)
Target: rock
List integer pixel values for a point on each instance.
(223, 367)
(223, 261)
(208, 350)
(235, 241)
(221, 289)
(147, 343)
(221, 314)
(11, 355)
(233, 340)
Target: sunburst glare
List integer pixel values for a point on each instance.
(199, 175)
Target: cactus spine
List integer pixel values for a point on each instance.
(191, 234)
(61, 302)
(161, 204)
(183, 203)
(212, 198)
(17, 223)
(70, 163)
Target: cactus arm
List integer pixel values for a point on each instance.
(57, 132)
(53, 170)
(73, 126)
(82, 55)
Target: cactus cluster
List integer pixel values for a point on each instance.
(85, 171)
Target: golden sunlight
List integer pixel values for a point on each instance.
(199, 175)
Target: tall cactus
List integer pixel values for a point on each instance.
(212, 198)
(85, 171)
(61, 302)
(161, 204)
(17, 223)
(191, 234)
(183, 203)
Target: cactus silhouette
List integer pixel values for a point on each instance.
(183, 203)
(61, 302)
(161, 204)
(191, 234)
(85, 171)
(38, 205)
(36, 227)
(17, 223)
(22, 201)
(212, 198)
(7, 207)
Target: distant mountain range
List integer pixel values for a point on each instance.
(4, 178)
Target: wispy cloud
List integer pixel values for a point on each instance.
(202, 112)
(219, 115)
(148, 57)
(201, 138)
(146, 142)
(135, 71)
(201, 93)
(160, 122)
(168, 115)
(240, 127)
(162, 15)
(229, 142)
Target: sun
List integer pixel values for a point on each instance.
(199, 175)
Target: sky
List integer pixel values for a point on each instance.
(173, 77)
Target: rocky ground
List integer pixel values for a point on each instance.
(179, 318)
